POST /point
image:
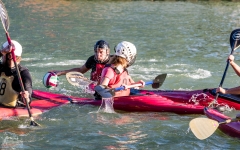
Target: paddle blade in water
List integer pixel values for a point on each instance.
(33, 123)
(202, 128)
(4, 16)
(235, 39)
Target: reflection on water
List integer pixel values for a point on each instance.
(49, 7)
(133, 134)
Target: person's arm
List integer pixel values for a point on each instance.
(105, 81)
(27, 83)
(133, 82)
(235, 67)
(107, 74)
(235, 90)
(83, 69)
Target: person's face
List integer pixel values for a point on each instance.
(101, 54)
(9, 60)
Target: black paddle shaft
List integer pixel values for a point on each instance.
(32, 123)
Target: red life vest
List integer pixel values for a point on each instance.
(118, 80)
(96, 75)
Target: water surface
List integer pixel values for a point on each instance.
(188, 40)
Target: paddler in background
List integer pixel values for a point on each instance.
(11, 94)
(236, 68)
(95, 62)
(115, 74)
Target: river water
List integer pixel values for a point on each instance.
(188, 40)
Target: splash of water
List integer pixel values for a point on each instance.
(188, 130)
(224, 107)
(11, 142)
(107, 105)
(196, 98)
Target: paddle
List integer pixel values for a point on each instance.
(78, 79)
(108, 93)
(234, 43)
(5, 22)
(202, 128)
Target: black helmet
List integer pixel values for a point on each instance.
(101, 44)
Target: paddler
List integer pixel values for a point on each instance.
(95, 62)
(11, 94)
(115, 74)
(236, 68)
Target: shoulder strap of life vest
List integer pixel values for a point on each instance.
(115, 69)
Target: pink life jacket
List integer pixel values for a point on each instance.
(118, 80)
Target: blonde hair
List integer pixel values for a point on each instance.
(119, 60)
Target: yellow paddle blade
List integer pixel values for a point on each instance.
(202, 128)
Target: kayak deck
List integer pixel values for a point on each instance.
(198, 97)
(132, 103)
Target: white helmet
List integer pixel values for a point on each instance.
(126, 50)
(18, 47)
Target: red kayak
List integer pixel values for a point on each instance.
(132, 103)
(37, 107)
(197, 97)
(232, 128)
(176, 101)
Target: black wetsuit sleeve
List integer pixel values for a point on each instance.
(27, 82)
(90, 62)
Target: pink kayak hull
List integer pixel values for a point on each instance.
(204, 97)
(231, 129)
(133, 103)
(37, 107)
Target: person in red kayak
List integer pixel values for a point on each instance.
(115, 74)
(236, 68)
(95, 62)
(11, 94)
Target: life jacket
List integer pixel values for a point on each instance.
(118, 80)
(8, 96)
(96, 75)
